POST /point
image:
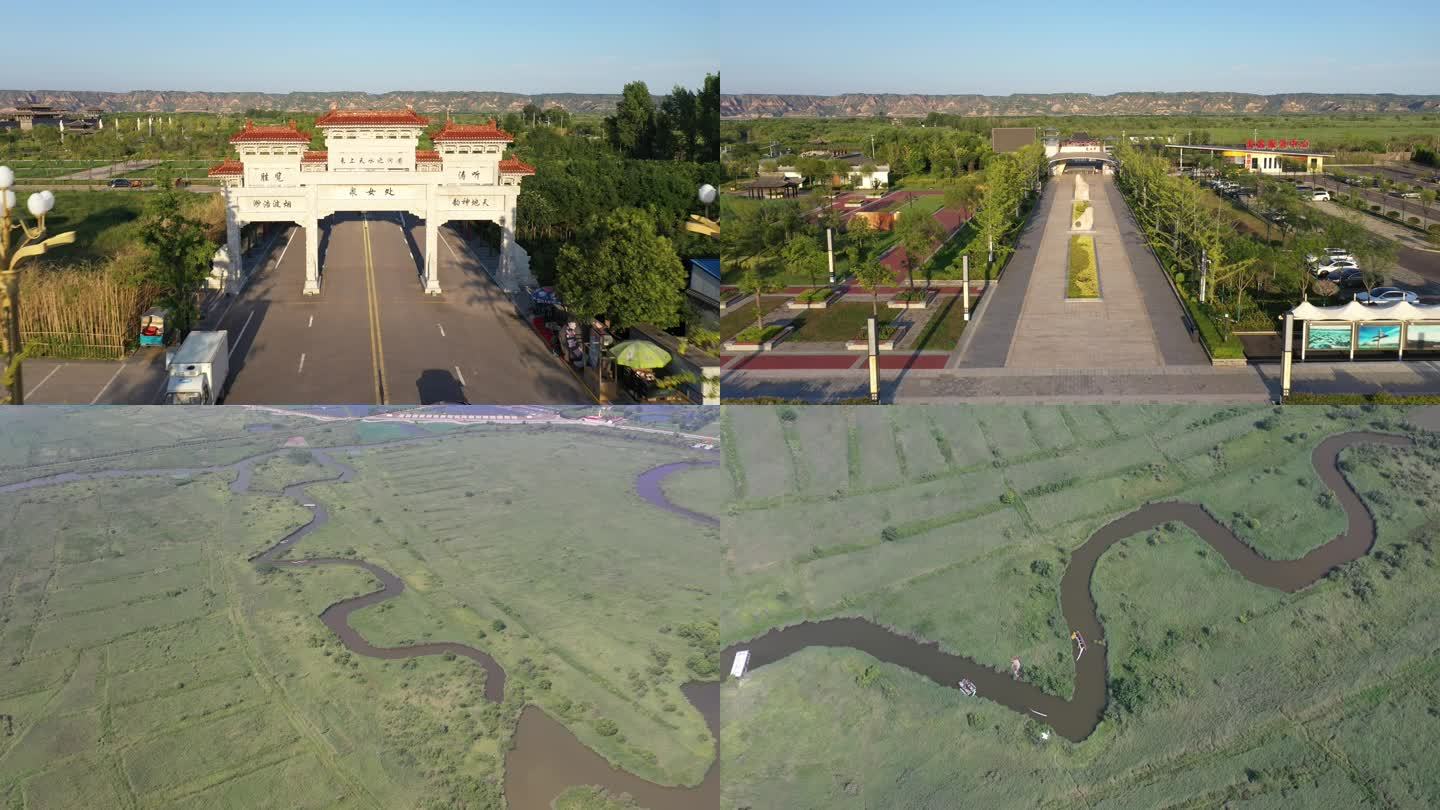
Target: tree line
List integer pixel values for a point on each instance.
(684, 126)
(1202, 247)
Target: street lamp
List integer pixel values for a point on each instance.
(705, 226)
(33, 244)
(707, 196)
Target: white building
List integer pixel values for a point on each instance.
(371, 162)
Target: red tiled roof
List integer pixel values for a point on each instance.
(472, 132)
(427, 156)
(254, 134)
(229, 167)
(515, 166)
(371, 118)
(313, 156)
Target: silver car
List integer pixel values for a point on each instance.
(1385, 295)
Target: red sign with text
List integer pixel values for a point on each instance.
(1276, 143)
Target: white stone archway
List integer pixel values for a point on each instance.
(372, 163)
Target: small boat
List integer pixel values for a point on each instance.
(967, 687)
(1079, 643)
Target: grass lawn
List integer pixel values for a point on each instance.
(103, 221)
(1243, 220)
(915, 206)
(743, 316)
(945, 326)
(838, 322)
(1082, 277)
(943, 264)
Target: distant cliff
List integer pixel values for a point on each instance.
(238, 103)
(758, 105)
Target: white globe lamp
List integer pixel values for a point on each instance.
(38, 205)
(707, 194)
(7, 177)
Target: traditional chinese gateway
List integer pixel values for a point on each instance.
(372, 162)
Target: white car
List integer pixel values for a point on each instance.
(1320, 194)
(1410, 195)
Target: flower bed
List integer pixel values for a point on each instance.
(818, 298)
(886, 336)
(912, 299)
(754, 339)
(1082, 281)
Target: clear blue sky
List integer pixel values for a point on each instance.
(371, 45)
(1097, 47)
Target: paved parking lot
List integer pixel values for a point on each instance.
(371, 336)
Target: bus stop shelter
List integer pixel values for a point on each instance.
(1354, 330)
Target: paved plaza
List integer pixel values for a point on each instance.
(1136, 323)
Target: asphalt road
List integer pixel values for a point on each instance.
(1390, 202)
(373, 336)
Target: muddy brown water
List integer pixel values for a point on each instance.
(1076, 718)
(546, 758)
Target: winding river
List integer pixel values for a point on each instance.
(545, 758)
(1077, 717)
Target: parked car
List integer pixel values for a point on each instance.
(1349, 278)
(1384, 295)
(1320, 194)
(119, 182)
(1331, 256)
(1409, 195)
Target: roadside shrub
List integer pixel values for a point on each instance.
(889, 534)
(1413, 220)
(1393, 214)
(606, 727)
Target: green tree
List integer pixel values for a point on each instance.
(755, 282)
(707, 107)
(632, 127)
(683, 113)
(860, 240)
(917, 233)
(624, 269)
(872, 275)
(802, 255)
(178, 253)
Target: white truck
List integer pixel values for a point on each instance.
(198, 369)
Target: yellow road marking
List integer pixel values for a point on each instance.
(377, 347)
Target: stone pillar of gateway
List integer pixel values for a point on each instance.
(372, 163)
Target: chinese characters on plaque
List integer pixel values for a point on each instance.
(270, 203)
(371, 192)
(471, 202)
(369, 160)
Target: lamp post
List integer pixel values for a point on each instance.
(33, 243)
